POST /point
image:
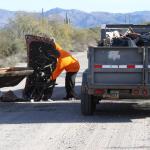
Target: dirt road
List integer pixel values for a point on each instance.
(59, 125)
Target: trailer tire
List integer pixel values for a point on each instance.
(87, 104)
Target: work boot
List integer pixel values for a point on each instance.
(46, 98)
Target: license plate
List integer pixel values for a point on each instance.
(114, 94)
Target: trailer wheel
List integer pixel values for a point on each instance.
(86, 104)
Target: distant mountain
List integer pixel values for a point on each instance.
(83, 19)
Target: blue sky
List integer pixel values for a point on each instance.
(85, 5)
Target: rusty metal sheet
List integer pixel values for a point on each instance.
(42, 57)
(37, 46)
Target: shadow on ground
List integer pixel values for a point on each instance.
(69, 112)
(60, 111)
(60, 92)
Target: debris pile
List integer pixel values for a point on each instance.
(127, 39)
(9, 96)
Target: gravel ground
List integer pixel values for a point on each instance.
(59, 125)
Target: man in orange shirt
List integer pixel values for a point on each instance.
(71, 65)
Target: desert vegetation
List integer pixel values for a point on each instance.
(13, 46)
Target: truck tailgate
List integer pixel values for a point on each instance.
(116, 66)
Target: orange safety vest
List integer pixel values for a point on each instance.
(65, 62)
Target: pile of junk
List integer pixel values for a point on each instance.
(125, 36)
(41, 62)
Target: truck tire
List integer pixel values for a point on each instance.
(87, 106)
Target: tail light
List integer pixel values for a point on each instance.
(99, 91)
(97, 66)
(130, 66)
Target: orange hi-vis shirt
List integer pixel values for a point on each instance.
(65, 62)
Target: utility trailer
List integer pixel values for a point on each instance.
(116, 72)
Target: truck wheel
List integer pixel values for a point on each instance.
(87, 104)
